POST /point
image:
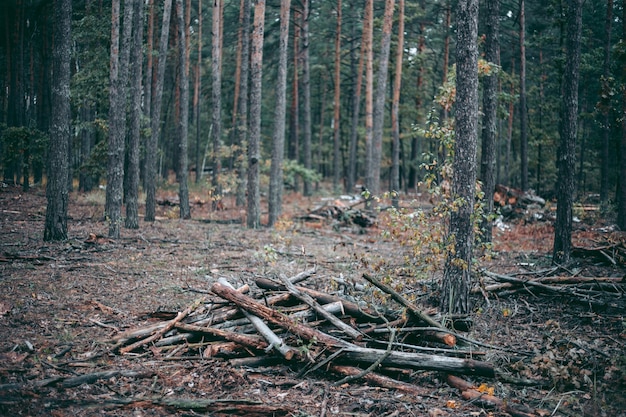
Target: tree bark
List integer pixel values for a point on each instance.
(368, 37)
(254, 154)
(306, 93)
(241, 133)
(566, 153)
(395, 122)
(132, 195)
(120, 54)
(183, 127)
(457, 271)
(337, 166)
(278, 138)
(57, 193)
(155, 116)
(523, 109)
(216, 98)
(605, 107)
(356, 104)
(621, 190)
(379, 105)
(490, 107)
(197, 87)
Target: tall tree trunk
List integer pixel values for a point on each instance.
(254, 154)
(415, 141)
(457, 271)
(120, 53)
(509, 132)
(243, 52)
(490, 107)
(368, 38)
(337, 165)
(566, 154)
(605, 106)
(155, 116)
(183, 127)
(148, 82)
(523, 109)
(395, 123)
(379, 104)
(306, 93)
(621, 190)
(356, 104)
(57, 193)
(293, 150)
(216, 97)
(132, 195)
(197, 86)
(278, 138)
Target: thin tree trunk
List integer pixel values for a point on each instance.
(337, 168)
(368, 21)
(197, 86)
(523, 109)
(566, 154)
(379, 104)
(356, 104)
(509, 135)
(148, 81)
(155, 116)
(254, 154)
(132, 196)
(278, 139)
(490, 107)
(243, 51)
(57, 194)
(216, 98)
(457, 272)
(183, 127)
(120, 55)
(415, 142)
(306, 93)
(605, 107)
(621, 188)
(395, 123)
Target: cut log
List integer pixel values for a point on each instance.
(279, 319)
(275, 342)
(350, 308)
(419, 361)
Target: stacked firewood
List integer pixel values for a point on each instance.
(314, 331)
(343, 211)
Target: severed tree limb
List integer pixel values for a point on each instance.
(354, 334)
(242, 339)
(381, 380)
(404, 302)
(470, 393)
(373, 366)
(170, 325)
(419, 361)
(349, 307)
(281, 320)
(274, 341)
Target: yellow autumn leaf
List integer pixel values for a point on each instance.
(486, 389)
(451, 404)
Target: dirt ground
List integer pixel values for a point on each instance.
(62, 303)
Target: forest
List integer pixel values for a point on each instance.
(420, 201)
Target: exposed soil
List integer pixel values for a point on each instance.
(61, 303)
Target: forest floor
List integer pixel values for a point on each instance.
(62, 303)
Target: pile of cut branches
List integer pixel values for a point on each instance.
(342, 211)
(597, 292)
(313, 331)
